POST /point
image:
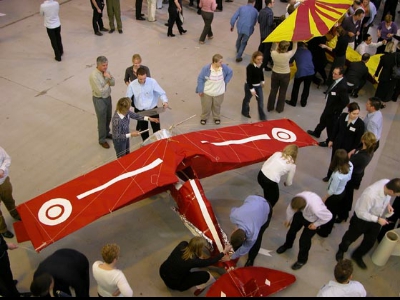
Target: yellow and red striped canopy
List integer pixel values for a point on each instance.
(311, 18)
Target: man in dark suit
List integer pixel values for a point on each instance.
(64, 269)
(336, 100)
(356, 75)
(386, 83)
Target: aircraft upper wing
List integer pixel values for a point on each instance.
(150, 170)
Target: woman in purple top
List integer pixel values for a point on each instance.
(386, 30)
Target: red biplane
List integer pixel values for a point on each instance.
(175, 164)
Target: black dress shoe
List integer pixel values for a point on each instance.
(359, 262)
(8, 234)
(170, 34)
(339, 255)
(297, 265)
(249, 263)
(166, 24)
(247, 116)
(310, 132)
(290, 103)
(103, 29)
(323, 144)
(111, 30)
(325, 179)
(239, 59)
(340, 220)
(98, 33)
(183, 31)
(120, 31)
(142, 15)
(281, 249)
(141, 19)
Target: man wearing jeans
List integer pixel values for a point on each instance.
(246, 17)
(101, 81)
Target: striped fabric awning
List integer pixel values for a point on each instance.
(311, 18)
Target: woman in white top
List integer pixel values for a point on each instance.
(279, 164)
(280, 75)
(111, 282)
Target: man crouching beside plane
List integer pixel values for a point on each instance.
(251, 220)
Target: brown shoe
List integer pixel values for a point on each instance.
(105, 145)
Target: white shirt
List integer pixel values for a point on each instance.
(336, 289)
(109, 281)
(372, 203)
(49, 9)
(276, 166)
(314, 212)
(370, 49)
(5, 162)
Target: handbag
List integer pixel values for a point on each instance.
(396, 68)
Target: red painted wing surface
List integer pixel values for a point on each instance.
(150, 170)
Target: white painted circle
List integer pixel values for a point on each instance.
(283, 135)
(55, 211)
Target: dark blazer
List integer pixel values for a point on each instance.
(337, 99)
(386, 63)
(69, 268)
(347, 137)
(360, 160)
(357, 72)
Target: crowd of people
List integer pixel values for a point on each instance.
(353, 141)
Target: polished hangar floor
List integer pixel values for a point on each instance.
(48, 126)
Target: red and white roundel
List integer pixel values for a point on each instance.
(55, 211)
(283, 135)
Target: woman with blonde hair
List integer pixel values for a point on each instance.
(176, 271)
(111, 282)
(360, 158)
(121, 133)
(279, 164)
(280, 77)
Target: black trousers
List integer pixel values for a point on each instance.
(306, 90)
(333, 204)
(327, 121)
(97, 20)
(270, 188)
(265, 48)
(257, 245)
(172, 19)
(359, 227)
(7, 286)
(144, 125)
(55, 39)
(297, 224)
(138, 8)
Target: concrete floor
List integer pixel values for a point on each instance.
(48, 126)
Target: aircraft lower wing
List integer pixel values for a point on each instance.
(150, 170)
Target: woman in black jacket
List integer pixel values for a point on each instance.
(176, 270)
(360, 160)
(347, 132)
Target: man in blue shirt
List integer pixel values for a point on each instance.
(246, 17)
(251, 220)
(146, 92)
